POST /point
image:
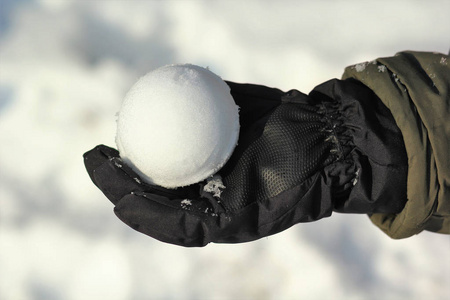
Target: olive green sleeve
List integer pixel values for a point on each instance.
(415, 86)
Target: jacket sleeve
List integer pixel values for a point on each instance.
(415, 88)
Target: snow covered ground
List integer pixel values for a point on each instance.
(64, 69)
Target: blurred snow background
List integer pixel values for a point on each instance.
(64, 69)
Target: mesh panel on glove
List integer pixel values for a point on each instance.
(294, 145)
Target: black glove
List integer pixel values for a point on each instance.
(298, 158)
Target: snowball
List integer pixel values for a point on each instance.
(177, 126)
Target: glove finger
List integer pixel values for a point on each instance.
(181, 222)
(115, 179)
(97, 156)
(106, 170)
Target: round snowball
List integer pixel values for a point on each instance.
(177, 126)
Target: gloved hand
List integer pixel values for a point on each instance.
(296, 161)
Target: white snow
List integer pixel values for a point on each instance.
(360, 67)
(381, 68)
(64, 69)
(186, 203)
(214, 185)
(177, 125)
(355, 180)
(395, 77)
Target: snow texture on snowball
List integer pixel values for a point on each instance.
(177, 125)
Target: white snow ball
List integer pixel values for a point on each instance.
(177, 126)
